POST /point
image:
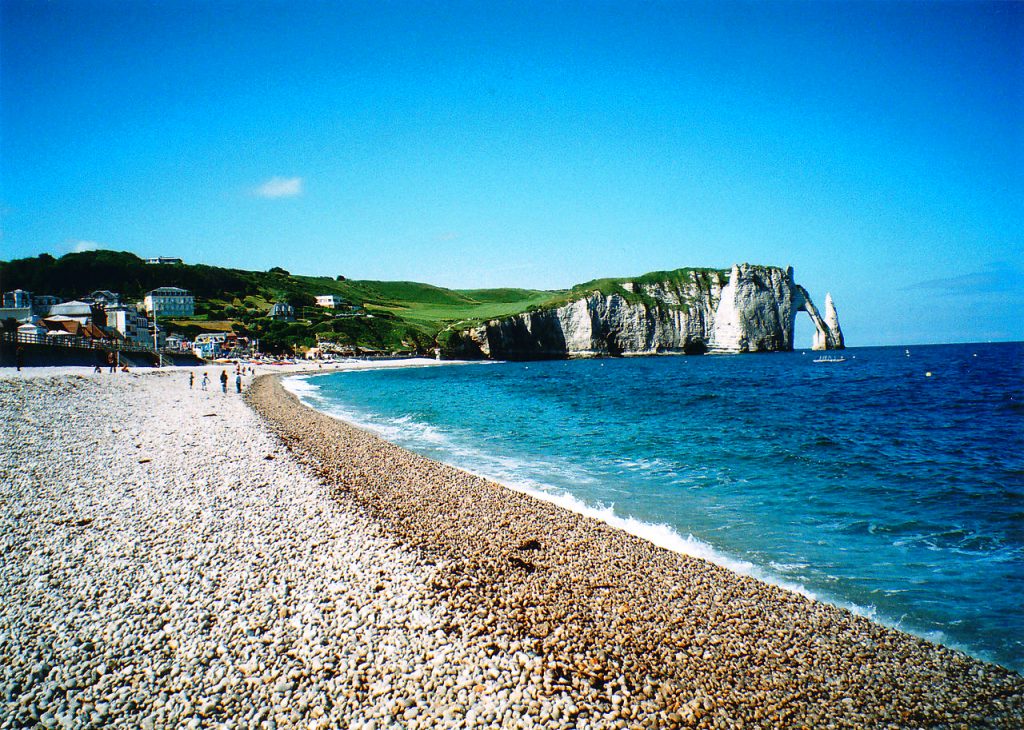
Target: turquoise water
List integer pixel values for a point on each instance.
(867, 483)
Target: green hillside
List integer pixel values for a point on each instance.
(397, 315)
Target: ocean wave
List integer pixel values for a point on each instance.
(787, 567)
(301, 386)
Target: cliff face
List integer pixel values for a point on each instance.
(756, 310)
(749, 309)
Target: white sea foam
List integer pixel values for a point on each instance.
(302, 387)
(787, 567)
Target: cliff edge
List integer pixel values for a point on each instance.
(687, 311)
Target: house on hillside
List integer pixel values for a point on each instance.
(158, 260)
(350, 310)
(330, 301)
(170, 301)
(104, 298)
(282, 312)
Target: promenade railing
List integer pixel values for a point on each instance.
(81, 343)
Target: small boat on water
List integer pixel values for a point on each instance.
(828, 358)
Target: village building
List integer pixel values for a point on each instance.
(19, 314)
(175, 341)
(31, 331)
(283, 312)
(163, 260)
(17, 299)
(104, 298)
(330, 301)
(170, 301)
(130, 323)
(210, 344)
(41, 303)
(78, 310)
(60, 327)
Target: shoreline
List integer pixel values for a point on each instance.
(659, 534)
(487, 526)
(300, 368)
(670, 540)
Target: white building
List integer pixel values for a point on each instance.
(31, 332)
(163, 260)
(21, 314)
(170, 301)
(75, 309)
(331, 301)
(17, 299)
(132, 325)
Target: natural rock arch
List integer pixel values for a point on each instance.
(827, 335)
(757, 313)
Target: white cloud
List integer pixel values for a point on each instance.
(280, 187)
(83, 246)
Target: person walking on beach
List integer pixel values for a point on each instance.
(110, 362)
(19, 357)
(191, 380)
(238, 381)
(206, 380)
(224, 381)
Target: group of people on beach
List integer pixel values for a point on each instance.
(113, 364)
(205, 383)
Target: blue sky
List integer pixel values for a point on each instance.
(876, 147)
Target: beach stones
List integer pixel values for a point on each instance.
(348, 583)
(629, 632)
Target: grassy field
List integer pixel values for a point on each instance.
(468, 306)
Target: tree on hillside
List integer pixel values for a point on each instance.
(299, 299)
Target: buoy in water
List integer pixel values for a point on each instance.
(928, 374)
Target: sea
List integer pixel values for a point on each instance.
(891, 483)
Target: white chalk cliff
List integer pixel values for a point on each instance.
(691, 311)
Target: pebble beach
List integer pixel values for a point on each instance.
(181, 558)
